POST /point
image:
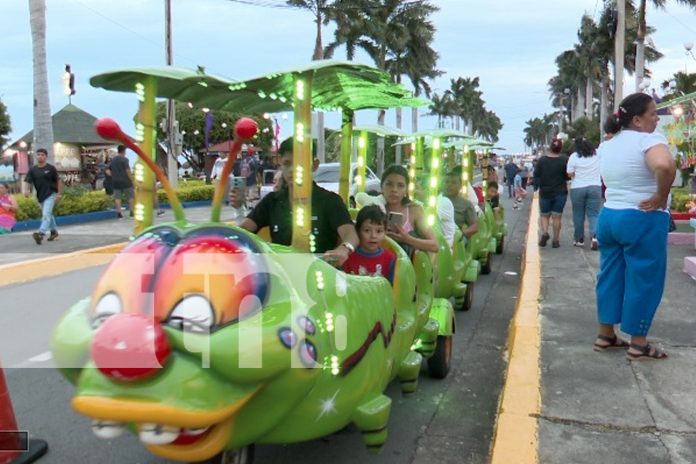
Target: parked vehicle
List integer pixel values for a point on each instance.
(328, 174)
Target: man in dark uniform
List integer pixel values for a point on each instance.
(330, 217)
(44, 178)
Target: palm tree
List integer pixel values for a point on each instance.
(385, 30)
(539, 132)
(467, 97)
(323, 11)
(43, 127)
(642, 32)
(683, 84)
(487, 126)
(442, 107)
(419, 74)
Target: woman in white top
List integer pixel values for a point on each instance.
(638, 170)
(585, 190)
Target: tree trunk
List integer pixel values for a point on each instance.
(589, 98)
(414, 120)
(457, 121)
(580, 106)
(380, 145)
(398, 126)
(43, 127)
(640, 46)
(470, 127)
(604, 102)
(319, 55)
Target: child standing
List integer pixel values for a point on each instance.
(369, 257)
(520, 192)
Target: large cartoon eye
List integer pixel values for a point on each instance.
(107, 306)
(192, 314)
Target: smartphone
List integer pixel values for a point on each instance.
(237, 182)
(395, 218)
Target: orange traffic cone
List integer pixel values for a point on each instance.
(15, 446)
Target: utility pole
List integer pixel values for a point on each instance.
(619, 40)
(172, 126)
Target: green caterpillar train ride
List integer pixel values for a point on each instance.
(204, 339)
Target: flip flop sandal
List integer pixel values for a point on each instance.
(646, 353)
(612, 343)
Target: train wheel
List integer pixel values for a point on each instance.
(486, 267)
(439, 363)
(501, 244)
(239, 456)
(468, 297)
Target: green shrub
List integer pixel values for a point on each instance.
(79, 200)
(196, 192)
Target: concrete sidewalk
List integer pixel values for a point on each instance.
(599, 407)
(20, 246)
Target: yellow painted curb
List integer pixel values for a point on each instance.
(515, 438)
(23, 271)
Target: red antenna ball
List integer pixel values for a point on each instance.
(246, 128)
(108, 129)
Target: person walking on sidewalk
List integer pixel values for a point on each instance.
(638, 170)
(43, 177)
(122, 180)
(550, 175)
(510, 172)
(585, 190)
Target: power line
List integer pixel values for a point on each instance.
(680, 22)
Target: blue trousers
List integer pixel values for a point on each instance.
(587, 201)
(48, 220)
(632, 268)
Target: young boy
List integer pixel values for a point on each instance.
(369, 257)
(520, 192)
(493, 198)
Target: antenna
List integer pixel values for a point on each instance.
(244, 129)
(109, 129)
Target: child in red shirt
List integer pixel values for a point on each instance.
(370, 258)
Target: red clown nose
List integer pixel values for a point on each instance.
(130, 347)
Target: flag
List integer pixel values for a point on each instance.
(208, 126)
(276, 134)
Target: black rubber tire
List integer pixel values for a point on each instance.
(468, 297)
(501, 245)
(440, 362)
(240, 456)
(486, 267)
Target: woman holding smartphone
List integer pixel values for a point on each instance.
(406, 223)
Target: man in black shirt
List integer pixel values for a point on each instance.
(122, 180)
(330, 217)
(43, 177)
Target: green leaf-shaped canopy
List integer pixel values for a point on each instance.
(335, 85)
(382, 131)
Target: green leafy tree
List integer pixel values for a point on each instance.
(5, 125)
(192, 120)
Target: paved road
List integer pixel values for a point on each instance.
(446, 421)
